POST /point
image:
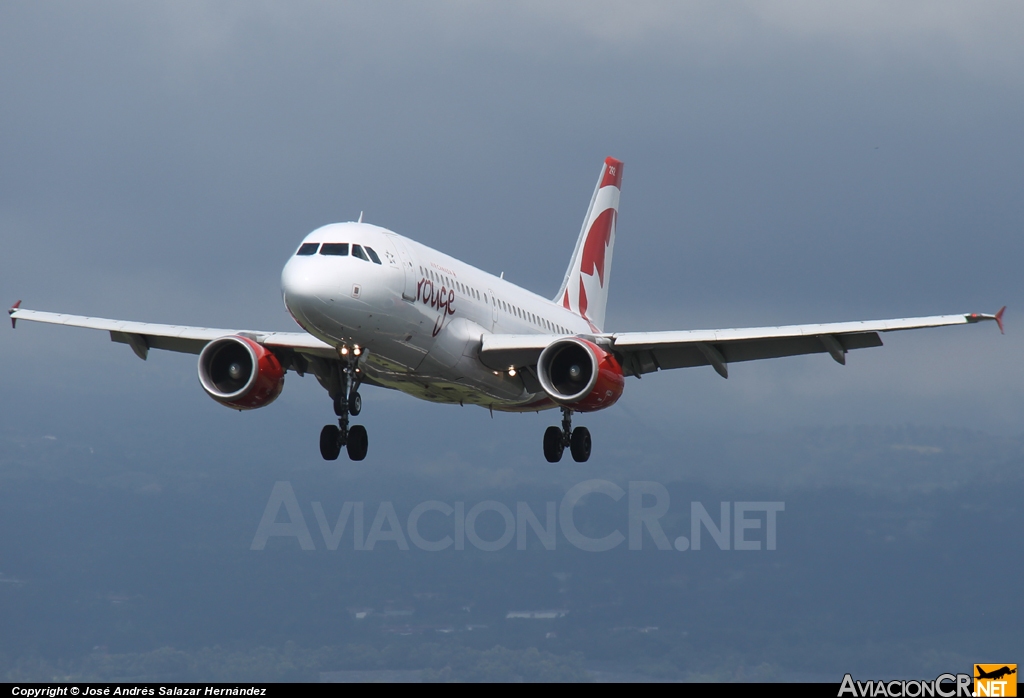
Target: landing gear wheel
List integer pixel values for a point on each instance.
(355, 405)
(330, 445)
(340, 408)
(579, 444)
(553, 445)
(357, 442)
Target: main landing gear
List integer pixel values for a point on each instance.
(556, 439)
(347, 402)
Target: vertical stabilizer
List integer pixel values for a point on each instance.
(585, 288)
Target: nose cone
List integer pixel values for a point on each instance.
(319, 293)
(299, 286)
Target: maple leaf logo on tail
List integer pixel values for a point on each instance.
(585, 287)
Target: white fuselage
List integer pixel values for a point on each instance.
(418, 315)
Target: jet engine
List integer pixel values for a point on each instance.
(579, 374)
(239, 373)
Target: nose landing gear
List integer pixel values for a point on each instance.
(556, 439)
(347, 402)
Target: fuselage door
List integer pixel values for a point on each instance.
(408, 266)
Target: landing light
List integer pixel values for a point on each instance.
(356, 350)
(343, 351)
(512, 371)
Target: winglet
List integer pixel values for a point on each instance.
(998, 317)
(14, 307)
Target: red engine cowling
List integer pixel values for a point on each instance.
(239, 373)
(579, 374)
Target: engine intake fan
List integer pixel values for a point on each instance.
(239, 373)
(577, 373)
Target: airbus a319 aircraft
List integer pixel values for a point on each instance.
(379, 309)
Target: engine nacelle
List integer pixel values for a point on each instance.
(239, 373)
(579, 374)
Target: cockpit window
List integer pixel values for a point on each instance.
(373, 255)
(307, 248)
(357, 251)
(336, 249)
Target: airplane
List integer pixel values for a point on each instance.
(379, 309)
(994, 674)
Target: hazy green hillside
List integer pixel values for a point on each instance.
(116, 566)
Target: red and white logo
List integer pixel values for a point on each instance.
(586, 288)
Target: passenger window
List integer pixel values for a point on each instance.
(307, 248)
(373, 255)
(357, 251)
(334, 249)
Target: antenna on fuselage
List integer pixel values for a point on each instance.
(360, 217)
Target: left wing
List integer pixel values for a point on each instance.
(644, 352)
(143, 336)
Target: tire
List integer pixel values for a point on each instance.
(580, 444)
(329, 446)
(338, 409)
(553, 444)
(358, 442)
(355, 405)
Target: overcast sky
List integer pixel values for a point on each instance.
(784, 162)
